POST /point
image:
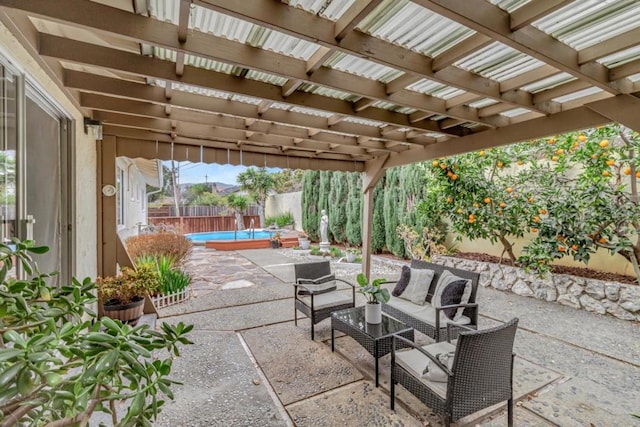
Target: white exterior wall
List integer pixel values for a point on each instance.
(134, 196)
(85, 156)
(279, 204)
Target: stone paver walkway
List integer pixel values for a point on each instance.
(252, 366)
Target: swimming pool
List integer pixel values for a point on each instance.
(229, 235)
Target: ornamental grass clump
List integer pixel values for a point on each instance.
(59, 363)
(175, 246)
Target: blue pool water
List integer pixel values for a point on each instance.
(229, 235)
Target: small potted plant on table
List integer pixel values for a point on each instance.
(375, 294)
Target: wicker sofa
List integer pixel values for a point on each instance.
(431, 320)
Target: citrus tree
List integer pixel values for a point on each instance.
(591, 197)
(477, 193)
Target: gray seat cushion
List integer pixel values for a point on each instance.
(327, 300)
(414, 362)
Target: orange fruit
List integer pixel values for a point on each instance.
(454, 177)
(509, 190)
(604, 143)
(594, 156)
(475, 205)
(559, 151)
(638, 174)
(536, 219)
(449, 173)
(627, 171)
(561, 248)
(435, 163)
(582, 138)
(487, 200)
(611, 162)
(471, 220)
(472, 216)
(520, 162)
(606, 173)
(449, 199)
(534, 230)
(459, 210)
(500, 164)
(542, 211)
(503, 205)
(602, 240)
(481, 153)
(574, 247)
(443, 166)
(531, 200)
(551, 141)
(555, 158)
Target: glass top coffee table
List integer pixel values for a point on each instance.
(375, 338)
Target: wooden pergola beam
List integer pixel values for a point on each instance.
(91, 83)
(532, 11)
(359, 10)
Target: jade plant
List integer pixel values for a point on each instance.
(59, 364)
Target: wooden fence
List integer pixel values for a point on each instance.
(202, 224)
(190, 211)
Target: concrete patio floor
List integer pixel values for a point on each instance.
(251, 366)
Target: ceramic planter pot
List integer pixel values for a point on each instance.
(373, 313)
(303, 243)
(351, 257)
(126, 313)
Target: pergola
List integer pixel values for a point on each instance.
(350, 85)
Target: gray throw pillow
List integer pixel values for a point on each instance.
(400, 287)
(418, 286)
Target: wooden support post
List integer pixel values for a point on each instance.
(108, 231)
(374, 171)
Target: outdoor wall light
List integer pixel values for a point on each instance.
(95, 126)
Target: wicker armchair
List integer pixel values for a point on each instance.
(480, 376)
(316, 294)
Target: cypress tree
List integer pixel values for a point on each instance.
(354, 209)
(378, 228)
(338, 206)
(310, 210)
(392, 211)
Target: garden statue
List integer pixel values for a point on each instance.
(324, 237)
(324, 224)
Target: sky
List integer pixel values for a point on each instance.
(194, 173)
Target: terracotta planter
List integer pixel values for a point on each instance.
(127, 313)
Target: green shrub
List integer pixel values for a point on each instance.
(171, 279)
(280, 220)
(59, 363)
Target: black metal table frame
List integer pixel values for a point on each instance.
(377, 347)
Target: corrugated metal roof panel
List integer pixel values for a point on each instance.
(621, 58)
(362, 67)
(576, 95)
(548, 83)
(165, 10)
(634, 78)
(515, 112)
(213, 93)
(414, 27)
(330, 9)
(393, 107)
(481, 103)
(366, 122)
(432, 88)
(498, 62)
(311, 112)
(509, 5)
(325, 91)
(266, 78)
(585, 23)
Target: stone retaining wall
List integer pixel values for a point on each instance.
(612, 298)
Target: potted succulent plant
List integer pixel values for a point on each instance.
(375, 294)
(122, 296)
(276, 240)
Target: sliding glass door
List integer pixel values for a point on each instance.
(33, 172)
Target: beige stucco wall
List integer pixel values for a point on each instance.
(279, 204)
(85, 155)
(601, 260)
(134, 187)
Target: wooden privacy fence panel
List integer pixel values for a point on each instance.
(202, 224)
(167, 211)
